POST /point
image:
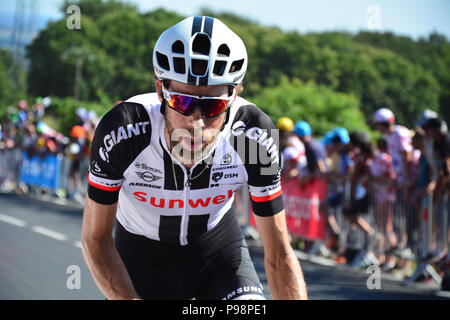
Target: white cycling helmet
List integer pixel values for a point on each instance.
(200, 51)
(383, 115)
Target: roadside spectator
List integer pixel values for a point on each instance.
(76, 152)
(315, 153)
(383, 188)
(22, 113)
(437, 129)
(29, 139)
(340, 167)
(292, 149)
(90, 124)
(38, 109)
(428, 152)
(401, 151)
(82, 116)
(311, 177)
(358, 204)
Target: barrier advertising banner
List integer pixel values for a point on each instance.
(303, 216)
(40, 171)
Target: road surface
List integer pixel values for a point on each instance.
(40, 253)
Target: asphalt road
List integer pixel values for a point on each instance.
(40, 255)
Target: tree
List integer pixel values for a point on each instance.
(321, 107)
(112, 56)
(10, 92)
(431, 53)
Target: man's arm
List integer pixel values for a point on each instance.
(100, 254)
(283, 270)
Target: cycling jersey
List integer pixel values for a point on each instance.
(157, 196)
(216, 265)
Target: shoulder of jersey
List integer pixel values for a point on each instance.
(149, 100)
(134, 110)
(248, 113)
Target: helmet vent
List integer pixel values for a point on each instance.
(201, 44)
(219, 67)
(236, 66)
(162, 61)
(178, 47)
(199, 67)
(223, 50)
(179, 65)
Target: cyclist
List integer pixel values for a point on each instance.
(167, 164)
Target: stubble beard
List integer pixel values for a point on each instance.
(178, 148)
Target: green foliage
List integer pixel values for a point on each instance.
(61, 114)
(6, 84)
(321, 107)
(114, 48)
(432, 54)
(113, 51)
(97, 8)
(381, 78)
(10, 91)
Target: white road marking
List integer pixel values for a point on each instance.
(444, 294)
(11, 220)
(49, 233)
(38, 229)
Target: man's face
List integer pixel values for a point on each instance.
(382, 128)
(193, 134)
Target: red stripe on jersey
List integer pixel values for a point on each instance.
(267, 198)
(105, 188)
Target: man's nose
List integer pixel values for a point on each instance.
(196, 119)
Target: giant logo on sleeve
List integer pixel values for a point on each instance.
(122, 133)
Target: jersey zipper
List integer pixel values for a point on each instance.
(184, 218)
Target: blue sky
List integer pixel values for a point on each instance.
(406, 17)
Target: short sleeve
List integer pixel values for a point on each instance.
(262, 161)
(119, 137)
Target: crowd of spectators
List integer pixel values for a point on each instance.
(391, 177)
(24, 131)
(394, 175)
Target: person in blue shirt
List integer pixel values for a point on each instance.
(316, 155)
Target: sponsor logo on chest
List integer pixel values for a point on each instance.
(194, 203)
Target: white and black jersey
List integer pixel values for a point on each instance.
(157, 196)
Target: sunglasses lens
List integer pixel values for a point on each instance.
(185, 105)
(182, 104)
(213, 107)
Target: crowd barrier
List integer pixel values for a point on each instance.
(49, 172)
(405, 229)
